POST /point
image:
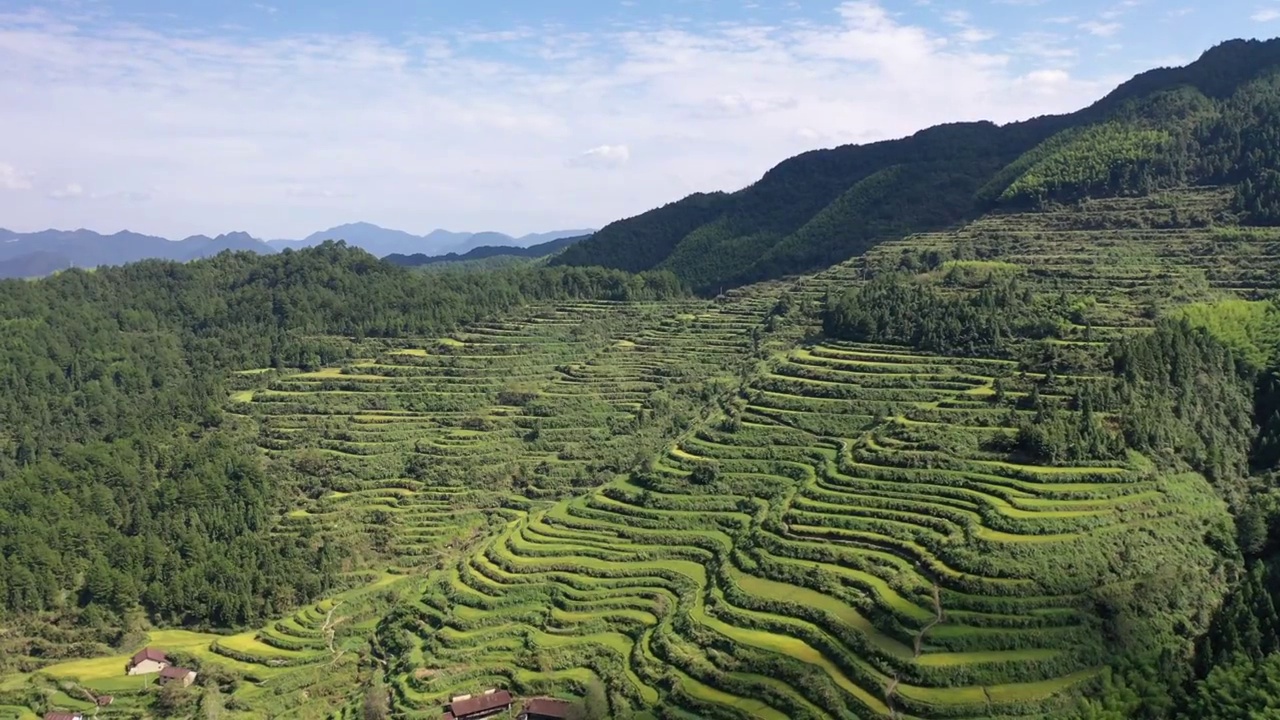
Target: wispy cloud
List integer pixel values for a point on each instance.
(1046, 47)
(603, 156)
(283, 134)
(1100, 28)
(70, 191)
(12, 179)
(966, 31)
(1266, 15)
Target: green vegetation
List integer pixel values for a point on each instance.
(1250, 328)
(131, 494)
(891, 309)
(1109, 158)
(1022, 468)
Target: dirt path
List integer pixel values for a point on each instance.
(328, 630)
(890, 691)
(940, 617)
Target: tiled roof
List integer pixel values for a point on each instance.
(150, 654)
(481, 703)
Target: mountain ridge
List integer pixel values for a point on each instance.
(485, 252)
(39, 253)
(1209, 122)
(382, 241)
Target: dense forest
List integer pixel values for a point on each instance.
(1214, 122)
(124, 479)
(989, 322)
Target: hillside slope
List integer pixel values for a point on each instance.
(709, 507)
(1212, 122)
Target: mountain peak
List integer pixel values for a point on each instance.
(238, 235)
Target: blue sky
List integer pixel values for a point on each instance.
(284, 117)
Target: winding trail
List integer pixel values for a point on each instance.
(328, 630)
(890, 691)
(937, 608)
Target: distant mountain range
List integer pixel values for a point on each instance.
(26, 255)
(47, 251)
(485, 252)
(381, 241)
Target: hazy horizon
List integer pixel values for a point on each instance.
(281, 118)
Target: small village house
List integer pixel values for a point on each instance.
(474, 707)
(56, 715)
(545, 709)
(146, 662)
(182, 676)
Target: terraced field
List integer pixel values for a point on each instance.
(303, 666)
(816, 553)
(421, 444)
(717, 514)
(1135, 257)
(427, 446)
(839, 542)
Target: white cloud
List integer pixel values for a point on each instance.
(1044, 46)
(281, 135)
(974, 35)
(966, 31)
(1266, 15)
(1044, 83)
(1046, 77)
(12, 179)
(738, 104)
(71, 191)
(603, 156)
(1100, 29)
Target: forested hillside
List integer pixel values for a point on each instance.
(125, 480)
(1010, 452)
(1213, 122)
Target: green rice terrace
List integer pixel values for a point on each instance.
(710, 511)
(1128, 258)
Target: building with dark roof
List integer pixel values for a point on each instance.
(147, 661)
(179, 675)
(474, 707)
